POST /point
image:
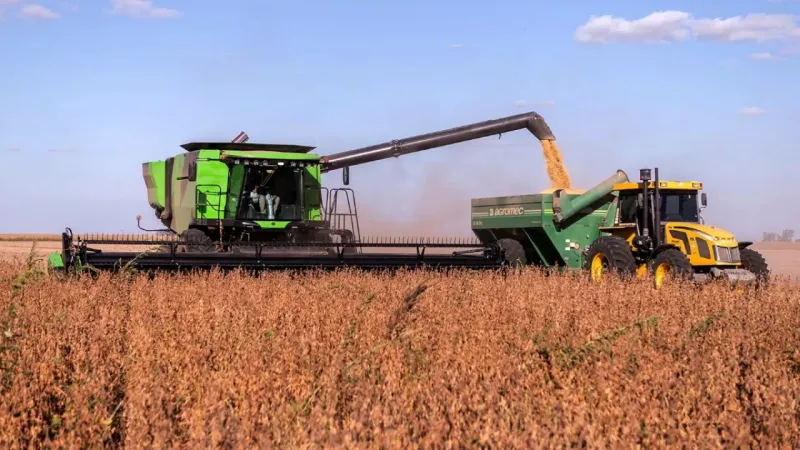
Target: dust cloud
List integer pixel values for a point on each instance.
(559, 177)
(440, 203)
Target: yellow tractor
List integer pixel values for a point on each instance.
(657, 228)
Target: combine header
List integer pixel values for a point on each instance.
(163, 254)
(263, 206)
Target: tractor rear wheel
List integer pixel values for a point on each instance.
(754, 262)
(609, 254)
(668, 264)
(515, 252)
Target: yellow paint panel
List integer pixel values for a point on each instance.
(694, 232)
(662, 184)
(625, 232)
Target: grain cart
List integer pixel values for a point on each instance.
(237, 204)
(630, 228)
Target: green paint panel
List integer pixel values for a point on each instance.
(276, 224)
(211, 189)
(153, 173)
(236, 181)
(529, 220)
(268, 155)
(55, 260)
(313, 193)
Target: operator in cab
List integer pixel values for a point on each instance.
(266, 202)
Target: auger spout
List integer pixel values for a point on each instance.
(564, 207)
(531, 121)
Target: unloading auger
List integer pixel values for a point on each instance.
(263, 206)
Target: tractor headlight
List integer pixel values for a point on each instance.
(727, 254)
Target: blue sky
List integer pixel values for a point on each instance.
(703, 90)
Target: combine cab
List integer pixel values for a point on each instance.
(618, 226)
(224, 195)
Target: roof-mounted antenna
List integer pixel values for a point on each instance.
(241, 138)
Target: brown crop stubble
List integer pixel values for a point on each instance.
(412, 360)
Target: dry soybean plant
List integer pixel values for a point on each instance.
(400, 359)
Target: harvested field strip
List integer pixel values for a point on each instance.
(370, 360)
(22, 237)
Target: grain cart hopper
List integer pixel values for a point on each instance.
(237, 204)
(611, 228)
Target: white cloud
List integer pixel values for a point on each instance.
(665, 26)
(141, 8)
(660, 26)
(762, 57)
(752, 111)
(752, 27)
(38, 12)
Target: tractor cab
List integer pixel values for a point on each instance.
(678, 201)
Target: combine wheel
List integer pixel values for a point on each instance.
(754, 262)
(201, 242)
(515, 252)
(669, 264)
(609, 254)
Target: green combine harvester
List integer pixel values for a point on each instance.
(264, 206)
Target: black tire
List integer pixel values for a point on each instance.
(754, 262)
(609, 253)
(515, 252)
(672, 263)
(199, 240)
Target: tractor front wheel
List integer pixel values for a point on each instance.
(755, 263)
(669, 264)
(609, 254)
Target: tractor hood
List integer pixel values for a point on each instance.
(716, 235)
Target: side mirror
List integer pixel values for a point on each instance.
(703, 200)
(346, 176)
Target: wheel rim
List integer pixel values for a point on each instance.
(641, 271)
(662, 272)
(599, 264)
